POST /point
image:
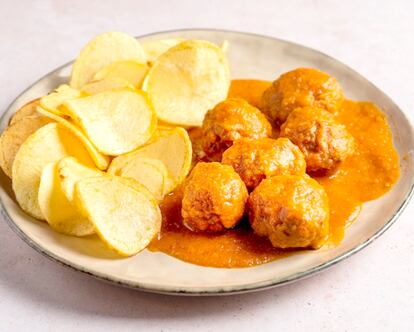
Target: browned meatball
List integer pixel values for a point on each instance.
(291, 210)
(229, 121)
(214, 198)
(323, 141)
(298, 88)
(258, 159)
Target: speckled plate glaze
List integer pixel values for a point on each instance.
(251, 56)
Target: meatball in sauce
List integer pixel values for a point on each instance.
(298, 88)
(292, 211)
(255, 160)
(214, 198)
(324, 141)
(230, 121)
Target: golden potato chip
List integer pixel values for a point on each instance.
(48, 144)
(55, 99)
(125, 215)
(225, 46)
(14, 136)
(70, 171)
(101, 161)
(129, 70)
(28, 109)
(102, 51)
(116, 122)
(60, 213)
(151, 173)
(172, 147)
(188, 80)
(154, 48)
(106, 85)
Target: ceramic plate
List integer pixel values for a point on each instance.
(251, 56)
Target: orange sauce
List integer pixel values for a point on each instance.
(367, 175)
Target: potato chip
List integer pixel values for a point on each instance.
(225, 46)
(28, 109)
(54, 100)
(125, 215)
(70, 171)
(154, 48)
(14, 136)
(129, 70)
(188, 80)
(172, 147)
(60, 213)
(116, 122)
(151, 173)
(48, 144)
(102, 51)
(101, 161)
(107, 85)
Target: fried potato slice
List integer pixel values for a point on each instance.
(129, 70)
(125, 215)
(116, 122)
(151, 173)
(172, 147)
(29, 109)
(102, 51)
(14, 136)
(154, 48)
(48, 144)
(101, 161)
(70, 171)
(188, 80)
(60, 213)
(107, 85)
(54, 100)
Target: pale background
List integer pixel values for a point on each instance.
(372, 290)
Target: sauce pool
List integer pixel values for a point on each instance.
(367, 175)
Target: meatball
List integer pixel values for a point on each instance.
(298, 88)
(258, 159)
(229, 121)
(291, 210)
(323, 141)
(214, 198)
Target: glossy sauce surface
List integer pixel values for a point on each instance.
(367, 175)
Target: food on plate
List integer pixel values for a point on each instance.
(54, 100)
(116, 122)
(214, 198)
(70, 171)
(130, 70)
(258, 159)
(291, 210)
(229, 121)
(59, 211)
(102, 51)
(188, 80)
(124, 214)
(151, 173)
(101, 160)
(154, 48)
(298, 88)
(14, 136)
(48, 144)
(324, 142)
(154, 147)
(170, 146)
(107, 85)
(28, 109)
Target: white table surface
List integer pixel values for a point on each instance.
(372, 290)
